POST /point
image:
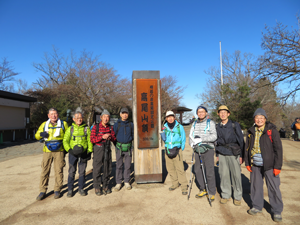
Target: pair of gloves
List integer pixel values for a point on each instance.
(275, 171)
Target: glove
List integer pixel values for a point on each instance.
(44, 134)
(276, 172)
(249, 168)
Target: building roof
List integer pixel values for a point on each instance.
(14, 96)
(181, 109)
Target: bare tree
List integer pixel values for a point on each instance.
(281, 60)
(7, 74)
(171, 93)
(91, 83)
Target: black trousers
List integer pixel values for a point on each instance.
(102, 163)
(73, 161)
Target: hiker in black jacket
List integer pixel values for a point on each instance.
(124, 134)
(230, 145)
(263, 159)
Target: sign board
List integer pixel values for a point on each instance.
(147, 124)
(147, 113)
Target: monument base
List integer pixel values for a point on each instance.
(146, 178)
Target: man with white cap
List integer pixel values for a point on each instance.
(263, 159)
(102, 134)
(174, 138)
(229, 149)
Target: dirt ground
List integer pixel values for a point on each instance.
(144, 204)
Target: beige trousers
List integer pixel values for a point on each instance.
(59, 162)
(176, 170)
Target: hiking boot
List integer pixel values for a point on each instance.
(40, 196)
(82, 192)
(184, 191)
(201, 194)
(212, 198)
(97, 192)
(56, 194)
(70, 194)
(254, 211)
(277, 217)
(237, 202)
(117, 187)
(224, 200)
(106, 191)
(128, 186)
(173, 187)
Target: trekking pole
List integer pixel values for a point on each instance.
(191, 177)
(204, 177)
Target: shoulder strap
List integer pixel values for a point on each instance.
(85, 130)
(207, 125)
(234, 127)
(269, 132)
(97, 128)
(119, 125)
(62, 125)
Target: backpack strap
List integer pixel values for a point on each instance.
(97, 128)
(234, 127)
(119, 125)
(207, 126)
(269, 132)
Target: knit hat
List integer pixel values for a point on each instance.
(260, 111)
(223, 107)
(105, 112)
(201, 107)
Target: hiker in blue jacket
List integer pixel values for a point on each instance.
(174, 138)
(124, 134)
(203, 134)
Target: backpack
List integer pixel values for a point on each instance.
(293, 126)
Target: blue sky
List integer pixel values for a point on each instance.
(179, 38)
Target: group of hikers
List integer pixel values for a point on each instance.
(261, 152)
(296, 129)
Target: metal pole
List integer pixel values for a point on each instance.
(221, 65)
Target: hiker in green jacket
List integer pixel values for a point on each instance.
(77, 143)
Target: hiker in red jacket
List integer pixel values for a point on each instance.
(263, 159)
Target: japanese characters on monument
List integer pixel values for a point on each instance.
(147, 105)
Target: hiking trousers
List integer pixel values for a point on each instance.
(208, 164)
(230, 174)
(101, 165)
(58, 159)
(73, 161)
(176, 170)
(121, 157)
(257, 191)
